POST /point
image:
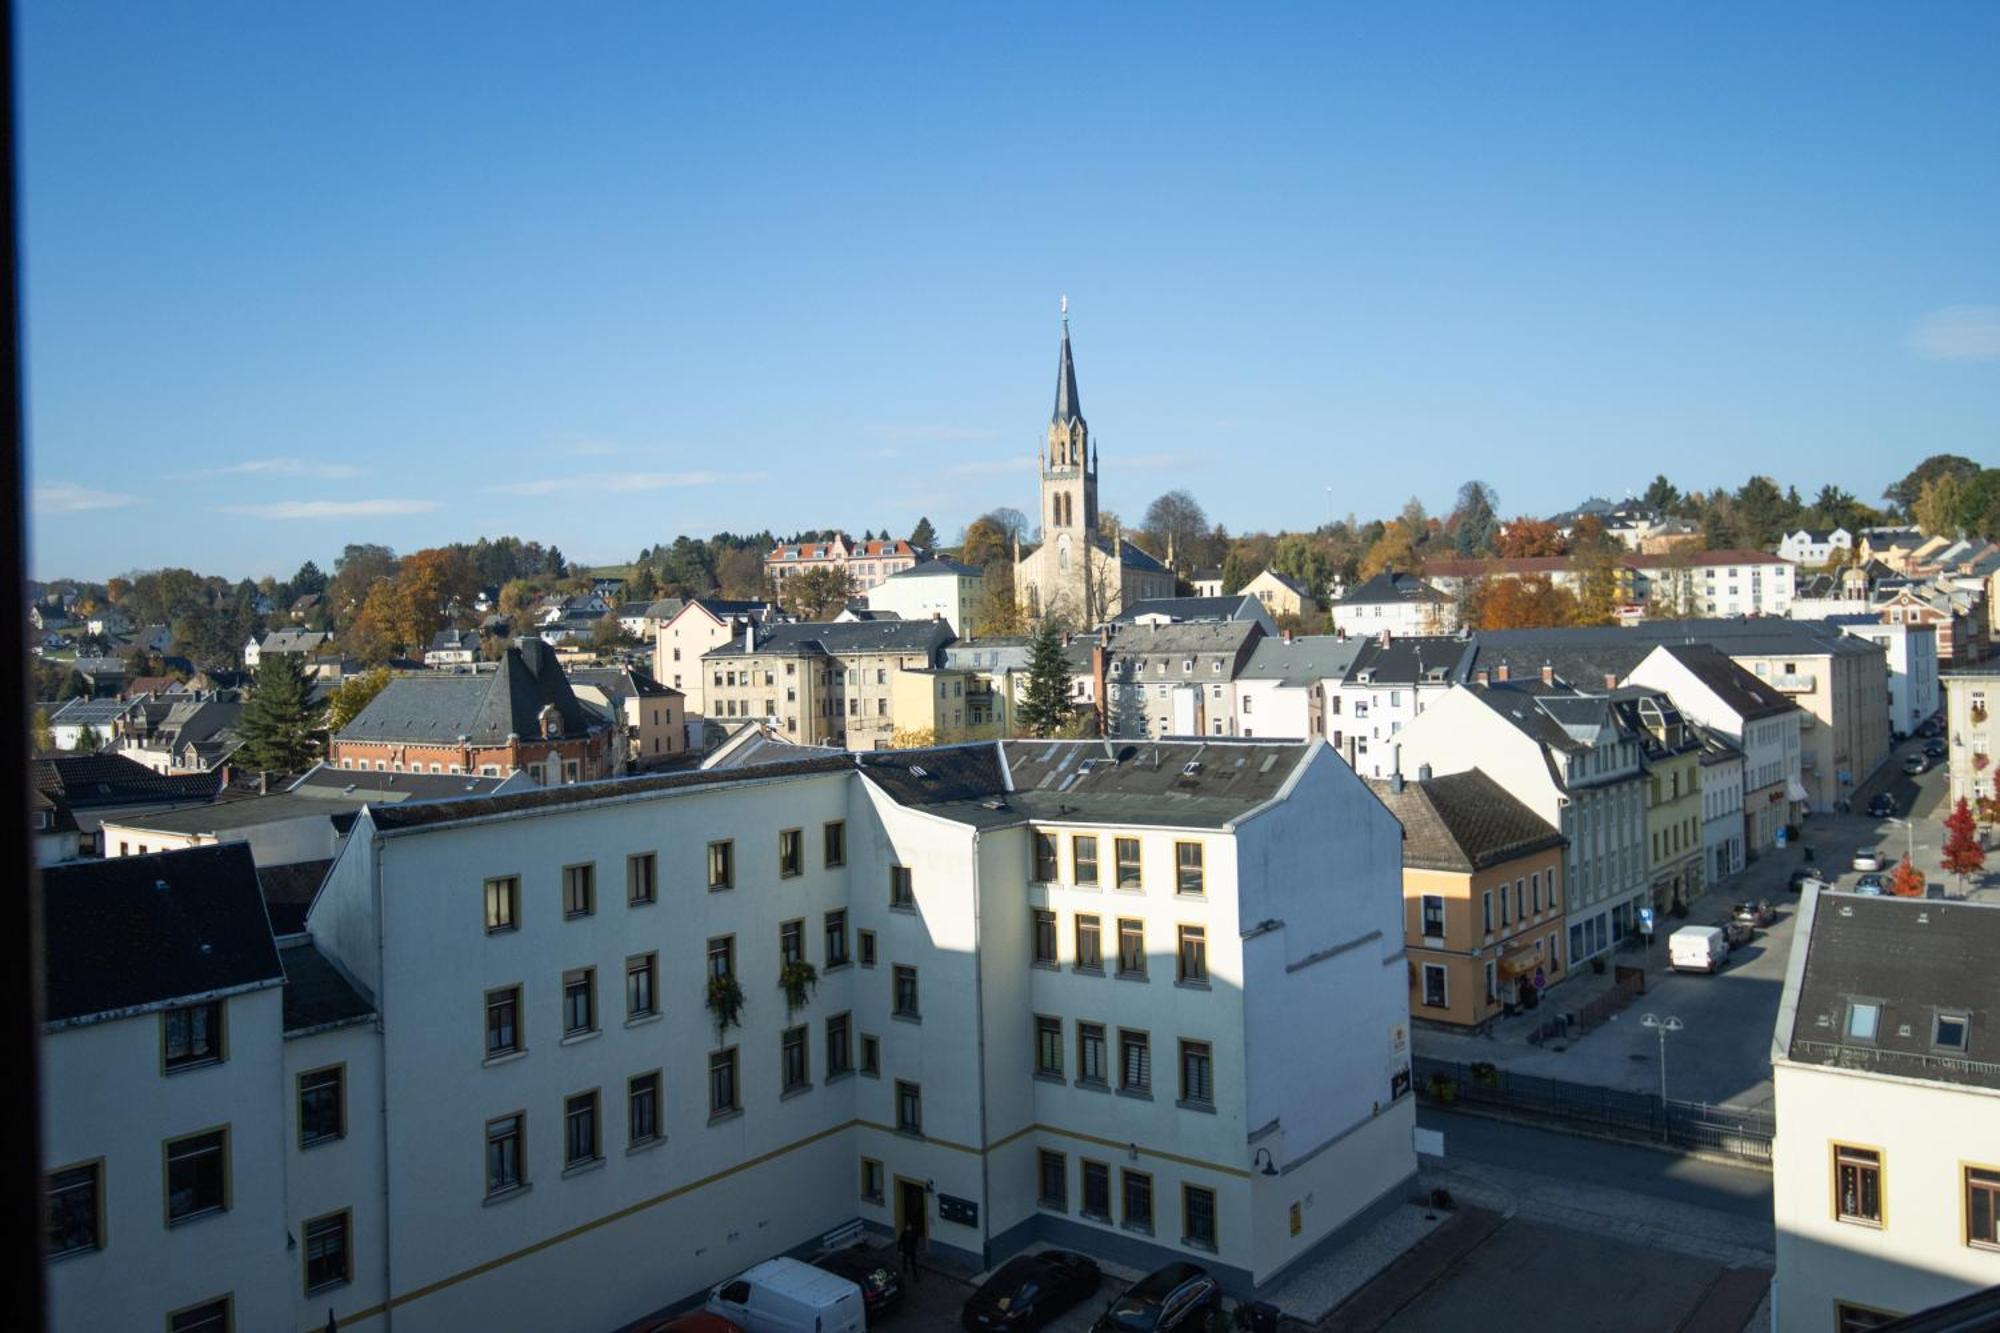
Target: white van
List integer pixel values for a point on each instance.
(788, 1296)
(1697, 949)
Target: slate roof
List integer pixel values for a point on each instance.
(88, 780)
(247, 812)
(1411, 660)
(139, 932)
(317, 996)
(293, 641)
(621, 682)
(1234, 606)
(935, 568)
(1463, 822)
(1741, 691)
(1914, 957)
(322, 781)
(288, 893)
(1390, 587)
(486, 708)
(60, 818)
(1068, 405)
(1142, 783)
(82, 712)
(1131, 557)
(1191, 637)
(1304, 660)
(845, 638)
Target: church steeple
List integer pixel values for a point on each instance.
(1069, 407)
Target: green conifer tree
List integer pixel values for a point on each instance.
(277, 722)
(1046, 709)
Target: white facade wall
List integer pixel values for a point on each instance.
(340, 1175)
(1276, 710)
(1371, 717)
(1771, 745)
(1927, 1133)
(1722, 830)
(280, 842)
(1913, 671)
(1399, 618)
(950, 597)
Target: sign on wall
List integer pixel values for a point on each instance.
(951, 1208)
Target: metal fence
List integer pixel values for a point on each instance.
(1638, 1116)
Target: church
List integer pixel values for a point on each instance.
(1077, 575)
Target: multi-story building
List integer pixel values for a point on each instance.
(930, 706)
(1687, 582)
(1911, 650)
(866, 563)
(1282, 596)
(1386, 687)
(1972, 737)
(522, 717)
(1567, 756)
(1958, 617)
(701, 624)
(1163, 680)
(1722, 836)
(996, 668)
(1885, 1069)
(1815, 546)
(821, 683)
(1401, 604)
(1670, 755)
(652, 715)
(942, 588)
(1482, 901)
(1290, 687)
(301, 643)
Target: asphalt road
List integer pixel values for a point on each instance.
(1738, 1191)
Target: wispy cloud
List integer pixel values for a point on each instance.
(1958, 333)
(66, 497)
(620, 482)
(273, 467)
(937, 434)
(310, 509)
(992, 467)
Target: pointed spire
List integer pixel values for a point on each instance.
(1068, 405)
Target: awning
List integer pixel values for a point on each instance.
(1795, 791)
(1520, 963)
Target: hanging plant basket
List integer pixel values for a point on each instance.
(725, 1003)
(797, 980)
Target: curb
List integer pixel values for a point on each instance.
(1560, 1127)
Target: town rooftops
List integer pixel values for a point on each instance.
(1898, 986)
(1234, 606)
(322, 781)
(844, 638)
(289, 890)
(1302, 660)
(1390, 587)
(293, 641)
(136, 933)
(938, 568)
(484, 708)
(1414, 659)
(1463, 822)
(82, 712)
(88, 780)
(1741, 691)
(317, 996)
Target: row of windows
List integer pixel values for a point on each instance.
(1135, 1197)
(1135, 1060)
(1521, 901)
(1859, 1197)
(1190, 956)
(1189, 873)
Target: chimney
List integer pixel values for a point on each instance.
(263, 783)
(1100, 655)
(1548, 673)
(1285, 635)
(749, 637)
(1610, 680)
(1501, 673)
(1383, 639)
(1482, 676)
(1396, 768)
(1423, 772)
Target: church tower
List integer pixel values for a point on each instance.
(1069, 492)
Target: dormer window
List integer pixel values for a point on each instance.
(1949, 1032)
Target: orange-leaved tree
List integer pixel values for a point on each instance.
(1907, 881)
(1962, 853)
(1523, 603)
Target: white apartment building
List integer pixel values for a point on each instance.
(1912, 653)
(935, 589)
(1564, 755)
(1972, 736)
(1714, 583)
(1401, 604)
(1148, 1001)
(1387, 685)
(1286, 687)
(701, 624)
(1815, 546)
(1886, 1076)
(1722, 824)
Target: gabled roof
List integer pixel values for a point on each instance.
(293, 641)
(82, 712)
(1131, 557)
(1233, 606)
(1414, 659)
(141, 932)
(1740, 691)
(845, 638)
(88, 780)
(937, 568)
(1302, 661)
(1463, 822)
(486, 708)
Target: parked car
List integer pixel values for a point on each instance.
(695, 1321)
(1814, 881)
(1934, 748)
(1871, 886)
(1916, 764)
(1698, 949)
(1868, 858)
(1797, 881)
(1180, 1298)
(1759, 913)
(872, 1270)
(1029, 1290)
(1882, 805)
(789, 1296)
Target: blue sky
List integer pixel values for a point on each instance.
(302, 275)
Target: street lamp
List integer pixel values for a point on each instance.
(1662, 1026)
(1910, 828)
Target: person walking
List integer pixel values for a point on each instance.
(907, 1243)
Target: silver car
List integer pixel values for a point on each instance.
(1868, 859)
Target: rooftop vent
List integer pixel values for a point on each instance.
(917, 771)
(1191, 767)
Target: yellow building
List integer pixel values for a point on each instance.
(1670, 753)
(1483, 914)
(930, 706)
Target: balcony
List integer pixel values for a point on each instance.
(1795, 682)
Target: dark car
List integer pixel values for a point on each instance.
(1180, 1298)
(1030, 1290)
(872, 1270)
(1882, 805)
(1935, 749)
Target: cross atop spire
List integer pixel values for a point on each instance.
(1069, 407)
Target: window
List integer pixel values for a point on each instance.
(722, 956)
(1193, 965)
(503, 1015)
(1089, 947)
(839, 1047)
(1857, 1185)
(1198, 1217)
(902, 893)
(642, 876)
(864, 943)
(1135, 1061)
(836, 939)
(1486, 911)
(1862, 1018)
(579, 890)
(642, 976)
(906, 992)
(214, 1316)
(1090, 1054)
(722, 1091)
(721, 865)
(1045, 858)
(1048, 1046)
(909, 1108)
(1131, 947)
(503, 1154)
(1848, 1318)
(1437, 994)
(322, 1107)
(191, 1036)
(1096, 1191)
(1138, 1200)
(1535, 890)
(1948, 1031)
(833, 844)
(791, 942)
(642, 1109)
(871, 1056)
(197, 1175)
(75, 1209)
(1197, 1073)
(1045, 937)
(1083, 858)
(579, 1001)
(1052, 1179)
(580, 1129)
(871, 1180)
(1127, 850)
(503, 903)
(329, 1260)
(1187, 868)
(1506, 916)
(1433, 916)
(795, 1069)
(1982, 1207)
(791, 853)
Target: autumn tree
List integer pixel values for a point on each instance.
(986, 543)
(351, 696)
(1175, 525)
(1395, 549)
(41, 736)
(818, 594)
(1906, 881)
(999, 610)
(1962, 853)
(740, 575)
(1529, 538)
(1903, 495)
(1532, 602)
(1937, 505)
